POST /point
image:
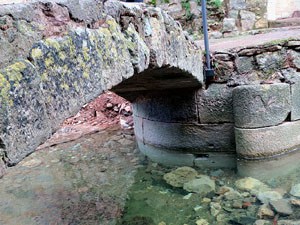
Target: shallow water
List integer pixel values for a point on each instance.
(81, 182)
(153, 201)
(102, 179)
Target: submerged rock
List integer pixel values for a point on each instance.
(295, 202)
(232, 195)
(215, 208)
(282, 206)
(267, 196)
(288, 222)
(265, 212)
(180, 176)
(202, 222)
(295, 190)
(252, 185)
(203, 185)
(262, 222)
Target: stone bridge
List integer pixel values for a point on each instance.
(57, 56)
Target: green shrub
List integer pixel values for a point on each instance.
(185, 4)
(217, 3)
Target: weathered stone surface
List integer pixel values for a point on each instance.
(195, 8)
(175, 10)
(252, 185)
(268, 141)
(229, 25)
(290, 75)
(288, 222)
(189, 138)
(215, 35)
(262, 222)
(224, 71)
(237, 4)
(294, 57)
(245, 64)
(203, 186)
(270, 61)
(202, 222)
(234, 14)
(295, 99)
(180, 176)
(282, 206)
(247, 20)
(262, 23)
(261, 105)
(67, 71)
(293, 44)
(232, 195)
(24, 120)
(264, 212)
(215, 104)
(267, 196)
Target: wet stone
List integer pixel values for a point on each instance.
(180, 176)
(282, 206)
(267, 196)
(295, 190)
(203, 185)
(264, 212)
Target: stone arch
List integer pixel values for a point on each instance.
(128, 48)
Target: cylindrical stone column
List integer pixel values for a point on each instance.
(169, 129)
(263, 131)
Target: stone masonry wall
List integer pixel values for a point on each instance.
(265, 96)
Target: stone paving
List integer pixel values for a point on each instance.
(251, 40)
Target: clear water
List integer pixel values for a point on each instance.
(102, 179)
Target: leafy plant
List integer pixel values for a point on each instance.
(153, 2)
(185, 4)
(217, 3)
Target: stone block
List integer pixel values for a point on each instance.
(268, 141)
(270, 61)
(247, 20)
(245, 64)
(138, 127)
(233, 14)
(262, 23)
(215, 104)
(261, 105)
(229, 25)
(293, 44)
(174, 106)
(290, 75)
(215, 35)
(295, 58)
(195, 9)
(237, 4)
(189, 138)
(295, 96)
